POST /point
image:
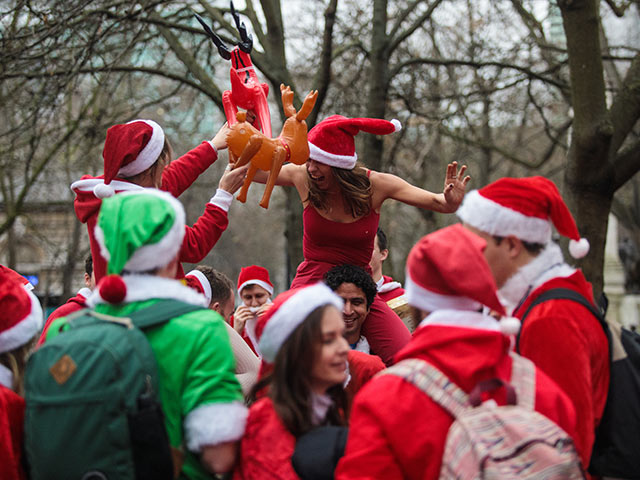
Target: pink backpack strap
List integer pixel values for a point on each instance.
(433, 383)
(523, 379)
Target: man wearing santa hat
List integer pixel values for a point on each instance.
(137, 155)
(515, 216)
(398, 430)
(255, 291)
(141, 233)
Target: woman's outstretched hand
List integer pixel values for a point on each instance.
(455, 184)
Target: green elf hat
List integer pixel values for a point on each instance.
(137, 231)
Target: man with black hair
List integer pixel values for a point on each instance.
(357, 289)
(388, 288)
(74, 303)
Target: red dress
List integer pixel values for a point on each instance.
(73, 305)
(326, 244)
(266, 447)
(396, 431)
(176, 178)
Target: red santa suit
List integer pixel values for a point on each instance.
(264, 427)
(176, 178)
(11, 433)
(73, 305)
(388, 288)
(568, 343)
(397, 431)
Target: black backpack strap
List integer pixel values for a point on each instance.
(564, 294)
(161, 312)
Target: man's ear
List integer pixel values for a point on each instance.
(384, 254)
(514, 246)
(216, 307)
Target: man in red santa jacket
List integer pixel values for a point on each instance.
(396, 430)
(515, 216)
(137, 155)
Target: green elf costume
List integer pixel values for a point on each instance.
(202, 401)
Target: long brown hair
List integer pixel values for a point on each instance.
(16, 361)
(290, 383)
(355, 188)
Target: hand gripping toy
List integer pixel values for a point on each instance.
(246, 91)
(247, 144)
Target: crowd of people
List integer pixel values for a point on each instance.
(325, 379)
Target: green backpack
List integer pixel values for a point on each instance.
(92, 410)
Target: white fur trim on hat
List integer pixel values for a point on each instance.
(260, 283)
(103, 191)
(340, 161)
(149, 153)
(214, 423)
(90, 185)
(24, 330)
(578, 248)
(494, 219)
(461, 319)
(291, 314)
(396, 124)
(147, 287)
(204, 282)
(430, 301)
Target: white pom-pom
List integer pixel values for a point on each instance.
(579, 249)
(509, 325)
(103, 191)
(396, 125)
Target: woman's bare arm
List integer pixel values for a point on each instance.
(386, 185)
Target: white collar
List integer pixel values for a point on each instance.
(380, 282)
(461, 318)
(85, 292)
(147, 287)
(363, 345)
(546, 265)
(6, 377)
(319, 407)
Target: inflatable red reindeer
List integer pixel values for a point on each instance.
(247, 144)
(246, 90)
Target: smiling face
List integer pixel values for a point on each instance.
(320, 174)
(330, 362)
(354, 311)
(254, 295)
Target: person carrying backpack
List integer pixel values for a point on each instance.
(92, 388)
(458, 371)
(516, 217)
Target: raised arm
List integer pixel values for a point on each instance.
(386, 185)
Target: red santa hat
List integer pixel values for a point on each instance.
(332, 141)
(254, 275)
(26, 284)
(20, 313)
(447, 270)
(200, 283)
(129, 149)
(288, 311)
(525, 208)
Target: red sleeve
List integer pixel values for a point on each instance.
(200, 239)
(181, 173)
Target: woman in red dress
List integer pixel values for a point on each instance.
(342, 202)
(302, 343)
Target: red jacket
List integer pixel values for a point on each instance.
(73, 305)
(176, 178)
(11, 434)
(568, 343)
(397, 431)
(390, 289)
(267, 446)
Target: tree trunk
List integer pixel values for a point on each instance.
(378, 82)
(293, 233)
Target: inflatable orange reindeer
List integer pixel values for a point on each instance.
(247, 144)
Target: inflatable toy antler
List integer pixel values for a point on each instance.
(247, 144)
(246, 90)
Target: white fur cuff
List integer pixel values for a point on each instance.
(215, 423)
(222, 199)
